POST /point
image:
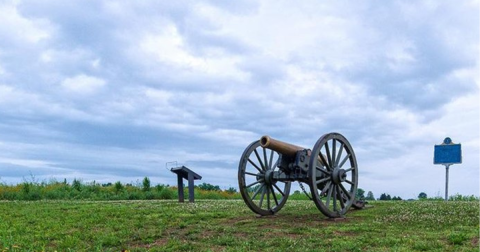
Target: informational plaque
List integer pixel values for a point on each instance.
(447, 153)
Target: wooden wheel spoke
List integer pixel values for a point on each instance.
(340, 198)
(329, 195)
(327, 150)
(343, 161)
(334, 198)
(350, 169)
(254, 165)
(323, 170)
(323, 180)
(326, 188)
(260, 160)
(267, 165)
(268, 197)
(350, 182)
(325, 163)
(339, 156)
(345, 192)
(274, 196)
(271, 159)
(278, 189)
(256, 192)
(261, 197)
(252, 184)
(253, 174)
(334, 153)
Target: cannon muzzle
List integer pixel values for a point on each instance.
(279, 146)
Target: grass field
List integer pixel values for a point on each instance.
(228, 225)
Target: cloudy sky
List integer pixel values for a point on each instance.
(113, 90)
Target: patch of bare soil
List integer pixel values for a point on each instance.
(475, 241)
(158, 243)
(281, 223)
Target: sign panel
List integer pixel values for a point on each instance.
(448, 154)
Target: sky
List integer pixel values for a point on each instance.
(112, 91)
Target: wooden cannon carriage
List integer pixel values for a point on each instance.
(268, 166)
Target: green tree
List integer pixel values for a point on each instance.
(146, 184)
(360, 194)
(385, 196)
(422, 195)
(370, 196)
(118, 186)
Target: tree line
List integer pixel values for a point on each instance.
(421, 196)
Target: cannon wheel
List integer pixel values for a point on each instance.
(333, 175)
(262, 194)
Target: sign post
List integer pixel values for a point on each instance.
(447, 154)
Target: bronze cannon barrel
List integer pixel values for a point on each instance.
(286, 149)
(279, 146)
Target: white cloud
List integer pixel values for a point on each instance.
(83, 84)
(22, 30)
(168, 48)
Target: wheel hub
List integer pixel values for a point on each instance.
(339, 176)
(268, 177)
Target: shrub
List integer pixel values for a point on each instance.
(159, 187)
(149, 195)
(26, 188)
(459, 197)
(77, 184)
(167, 193)
(134, 195)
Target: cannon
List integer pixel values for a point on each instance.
(268, 166)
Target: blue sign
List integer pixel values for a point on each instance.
(447, 153)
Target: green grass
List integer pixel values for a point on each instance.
(228, 225)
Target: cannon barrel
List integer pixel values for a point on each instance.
(286, 149)
(279, 146)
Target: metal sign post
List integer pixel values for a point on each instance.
(447, 154)
(446, 181)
